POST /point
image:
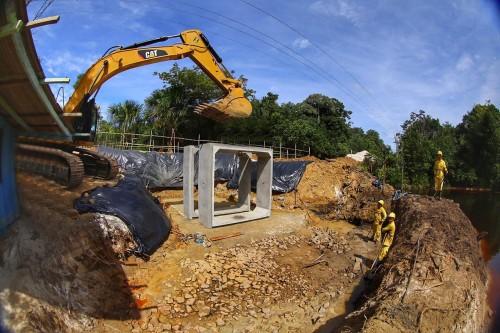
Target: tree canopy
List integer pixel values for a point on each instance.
(321, 123)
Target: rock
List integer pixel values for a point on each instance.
(220, 322)
(190, 301)
(179, 299)
(163, 319)
(357, 267)
(204, 311)
(164, 309)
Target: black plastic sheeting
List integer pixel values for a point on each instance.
(133, 204)
(286, 175)
(163, 170)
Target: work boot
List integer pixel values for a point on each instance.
(439, 197)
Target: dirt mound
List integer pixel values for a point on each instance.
(58, 271)
(433, 280)
(336, 189)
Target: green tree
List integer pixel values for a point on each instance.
(479, 152)
(126, 116)
(332, 114)
(421, 137)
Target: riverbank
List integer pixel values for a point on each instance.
(433, 279)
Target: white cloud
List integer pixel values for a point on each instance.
(135, 7)
(301, 43)
(66, 63)
(490, 89)
(464, 63)
(338, 8)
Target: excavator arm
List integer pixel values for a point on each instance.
(194, 45)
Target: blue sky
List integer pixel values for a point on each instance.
(383, 59)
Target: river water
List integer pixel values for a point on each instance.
(483, 209)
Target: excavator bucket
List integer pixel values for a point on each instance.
(233, 105)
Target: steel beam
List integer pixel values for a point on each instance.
(43, 21)
(11, 28)
(6, 107)
(30, 72)
(51, 80)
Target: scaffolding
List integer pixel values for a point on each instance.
(175, 144)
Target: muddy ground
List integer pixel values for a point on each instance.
(59, 271)
(58, 265)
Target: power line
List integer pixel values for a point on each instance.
(313, 44)
(46, 4)
(295, 55)
(269, 55)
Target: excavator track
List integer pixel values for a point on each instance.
(64, 168)
(95, 164)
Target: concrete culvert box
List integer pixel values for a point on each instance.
(211, 216)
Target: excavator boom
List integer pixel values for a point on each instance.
(194, 45)
(66, 162)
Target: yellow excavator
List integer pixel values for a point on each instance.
(67, 162)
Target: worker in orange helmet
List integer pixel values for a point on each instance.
(379, 218)
(389, 230)
(440, 170)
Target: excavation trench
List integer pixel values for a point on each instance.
(299, 271)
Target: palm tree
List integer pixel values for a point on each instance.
(161, 115)
(126, 115)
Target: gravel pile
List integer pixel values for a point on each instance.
(327, 239)
(242, 280)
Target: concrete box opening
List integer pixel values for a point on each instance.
(212, 214)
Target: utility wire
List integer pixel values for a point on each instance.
(248, 46)
(313, 44)
(294, 54)
(46, 4)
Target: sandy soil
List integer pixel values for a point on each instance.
(434, 279)
(79, 285)
(59, 272)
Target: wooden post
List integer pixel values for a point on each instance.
(280, 147)
(295, 151)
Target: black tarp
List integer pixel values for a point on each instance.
(131, 202)
(286, 175)
(160, 170)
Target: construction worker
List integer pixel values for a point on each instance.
(379, 218)
(389, 230)
(440, 171)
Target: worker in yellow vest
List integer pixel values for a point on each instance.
(389, 230)
(379, 218)
(440, 170)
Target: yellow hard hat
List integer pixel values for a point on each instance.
(439, 153)
(381, 202)
(392, 215)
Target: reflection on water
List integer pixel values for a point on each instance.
(483, 209)
(494, 292)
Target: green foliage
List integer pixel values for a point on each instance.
(126, 116)
(322, 124)
(479, 152)
(471, 150)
